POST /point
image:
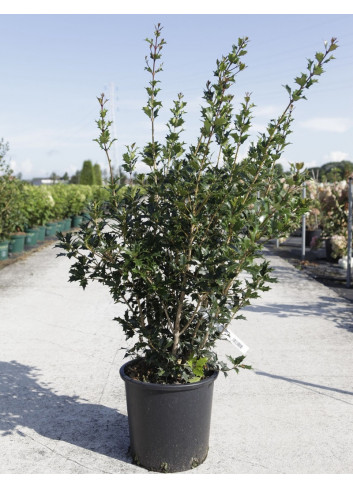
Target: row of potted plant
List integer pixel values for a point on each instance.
(29, 214)
(327, 218)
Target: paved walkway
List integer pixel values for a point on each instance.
(62, 402)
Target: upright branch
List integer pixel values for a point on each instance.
(151, 151)
(270, 147)
(217, 115)
(104, 140)
(173, 148)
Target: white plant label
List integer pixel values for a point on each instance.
(237, 342)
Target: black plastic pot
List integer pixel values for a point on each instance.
(309, 235)
(328, 247)
(169, 425)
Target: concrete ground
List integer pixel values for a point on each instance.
(62, 402)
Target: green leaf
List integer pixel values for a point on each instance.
(197, 366)
(220, 121)
(288, 88)
(147, 111)
(319, 57)
(194, 379)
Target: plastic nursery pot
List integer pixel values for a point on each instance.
(328, 249)
(76, 221)
(35, 231)
(59, 226)
(41, 233)
(67, 224)
(50, 229)
(17, 242)
(309, 235)
(85, 217)
(63, 224)
(4, 249)
(31, 238)
(169, 424)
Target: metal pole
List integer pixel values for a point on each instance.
(303, 225)
(349, 251)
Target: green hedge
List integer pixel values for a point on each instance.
(25, 206)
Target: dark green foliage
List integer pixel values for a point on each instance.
(332, 171)
(97, 175)
(182, 249)
(11, 217)
(87, 175)
(75, 179)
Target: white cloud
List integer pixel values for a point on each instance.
(25, 167)
(311, 164)
(51, 140)
(160, 129)
(336, 156)
(269, 111)
(256, 127)
(329, 124)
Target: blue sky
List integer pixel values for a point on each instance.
(54, 66)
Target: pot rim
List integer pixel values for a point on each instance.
(165, 387)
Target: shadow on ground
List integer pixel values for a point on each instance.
(315, 265)
(26, 403)
(334, 309)
(309, 385)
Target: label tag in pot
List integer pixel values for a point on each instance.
(237, 342)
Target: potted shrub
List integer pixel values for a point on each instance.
(184, 254)
(334, 204)
(39, 208)
(10, 215)
(78, 198)
(15, 218)
(18, 235)
(313, 216)
(35, 206)
(60, 209)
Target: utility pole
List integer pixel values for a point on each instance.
(303, 225)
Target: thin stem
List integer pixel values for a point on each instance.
(196, 310)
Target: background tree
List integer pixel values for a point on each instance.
(105, 175)
(332, 171)
(122, 176)
(279, 169)
(54, 177)
(97, 174)
(75, 179)
(87, 176)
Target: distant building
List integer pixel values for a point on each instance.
(46, 181)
